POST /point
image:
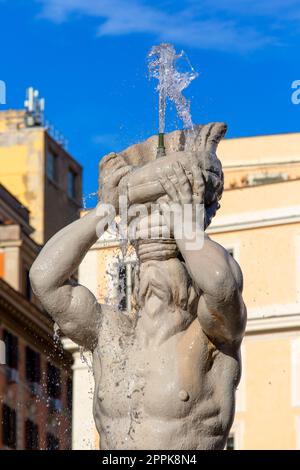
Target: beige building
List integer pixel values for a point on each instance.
(259, 223)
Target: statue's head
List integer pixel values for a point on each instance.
(161, 285)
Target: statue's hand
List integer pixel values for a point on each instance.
(181, 194)
(113, 168)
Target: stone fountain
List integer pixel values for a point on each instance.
(165, 374)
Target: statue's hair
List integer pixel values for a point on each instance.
(204, 141)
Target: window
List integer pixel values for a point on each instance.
(71, 184)
(266, 178)
(27, 286)
(125, 284)
(9, 427)
(31, 435)
(122, 287)
(52, 442)
(11, 345)
(33, 366)
(230, 443)
(53, 381)
(51, 166)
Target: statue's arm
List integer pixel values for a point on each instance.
(218, 277)
(216, 274)
(72, 306)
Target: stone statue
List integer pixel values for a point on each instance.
(165, 375)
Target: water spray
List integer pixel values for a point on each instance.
(171, 83)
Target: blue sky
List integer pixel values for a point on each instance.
(88, 59)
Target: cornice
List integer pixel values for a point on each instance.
(273, 324)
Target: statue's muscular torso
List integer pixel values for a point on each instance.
(165, 380)
(172, 393)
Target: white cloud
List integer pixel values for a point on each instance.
(268, 8)
(201, 25)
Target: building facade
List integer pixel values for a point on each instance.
(40, 192)
(259, 221)
(259, 224)
(36, 378)
(40, 173)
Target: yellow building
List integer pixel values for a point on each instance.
(39, 172)
(40, 192)
(259, 223)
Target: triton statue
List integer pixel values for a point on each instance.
(166, 374)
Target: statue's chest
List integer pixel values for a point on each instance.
(120, 386)
(157, 381)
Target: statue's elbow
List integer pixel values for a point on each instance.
(37, 279)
